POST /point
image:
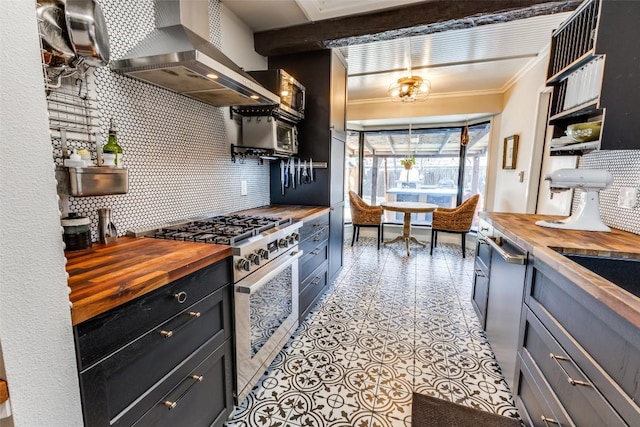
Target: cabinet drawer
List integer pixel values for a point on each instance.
(111, 385)
(202, 397)
(312, 288)
(537, 405)
(311, 227)
(105, 333)
(604, 345)
(311, 260)
(582, 401)
(320, 235)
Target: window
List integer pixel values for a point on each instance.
(442, 172)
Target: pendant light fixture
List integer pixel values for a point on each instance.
(409, 88)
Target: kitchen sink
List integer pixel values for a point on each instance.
(623, 272)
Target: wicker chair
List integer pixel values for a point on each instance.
(454, 220)
(365, 215)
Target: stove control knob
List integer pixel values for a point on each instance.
(282, 243)
(291, 240)
(243, 264)
(263, 253)
(254, 258)
(296, 237)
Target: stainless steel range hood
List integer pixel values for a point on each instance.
(178, 56)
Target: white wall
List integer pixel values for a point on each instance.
(517, 118)
(35, 321)
(237, 42)
(485, 104)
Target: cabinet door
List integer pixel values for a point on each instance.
(336, 167)
(338, 92)
(480, 294)
(504, 306)
(336, 237)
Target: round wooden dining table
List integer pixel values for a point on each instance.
(408, 208)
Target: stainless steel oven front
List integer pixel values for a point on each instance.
(266, 314)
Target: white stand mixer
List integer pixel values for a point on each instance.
(591, 181)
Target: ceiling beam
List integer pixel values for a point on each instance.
(390, 143)
(478, 137)
(443, 142)
(370, 147)
(412, 20)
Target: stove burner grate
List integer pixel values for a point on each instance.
(222, 230)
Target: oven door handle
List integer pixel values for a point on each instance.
(257, 280)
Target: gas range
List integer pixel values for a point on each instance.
(255, 240)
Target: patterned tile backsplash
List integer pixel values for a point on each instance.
(625, 168)
(177, 149)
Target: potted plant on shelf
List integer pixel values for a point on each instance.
(408, 162)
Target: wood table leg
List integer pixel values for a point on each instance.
(406, 234)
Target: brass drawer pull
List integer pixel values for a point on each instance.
(571, 380)
(172, 404)
(181, 297)
(166, 334)
(479, 273)
(194, 314)
(483, 241)
(547, 420)
(315, 251)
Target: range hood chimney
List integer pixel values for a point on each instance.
(178, 56)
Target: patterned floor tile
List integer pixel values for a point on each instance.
(390, 325)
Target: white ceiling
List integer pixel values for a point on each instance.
(262, 15)
(482, 59)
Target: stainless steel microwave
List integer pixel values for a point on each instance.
(290, 91)
(269, 133)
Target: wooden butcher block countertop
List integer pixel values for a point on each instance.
(106, 276)
(542, 242)
(298, 213)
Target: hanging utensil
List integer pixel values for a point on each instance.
(282, 176)
(311, 169)
(292, 170)
(286, 174)
(88, 31)
(299, 171)
(305, 175)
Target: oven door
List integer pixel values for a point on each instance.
(292, 96)
(266, 313)
(287, 137)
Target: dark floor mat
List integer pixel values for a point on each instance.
(428, 411)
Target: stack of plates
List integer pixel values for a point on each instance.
(562, 141)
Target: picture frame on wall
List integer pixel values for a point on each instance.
(510, 152)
